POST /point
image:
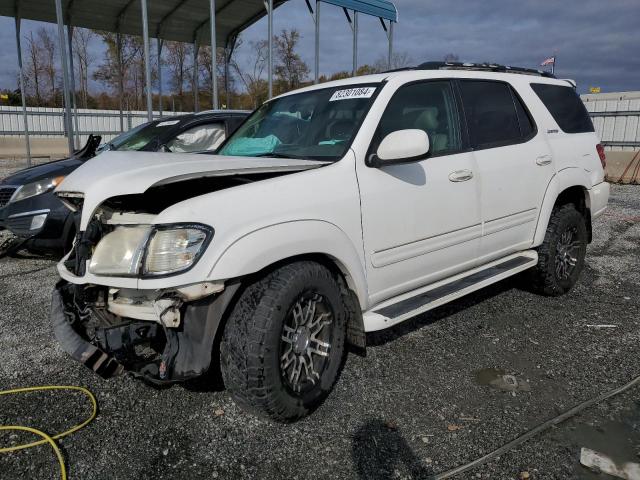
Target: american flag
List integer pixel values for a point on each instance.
(548, 61)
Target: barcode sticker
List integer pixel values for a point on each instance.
(349, 93)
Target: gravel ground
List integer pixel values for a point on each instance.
(417, 404)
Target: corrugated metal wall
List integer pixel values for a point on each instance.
(49, 122)
(616, 118)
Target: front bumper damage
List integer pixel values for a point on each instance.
(110, 344)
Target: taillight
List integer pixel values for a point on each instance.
(603, 157)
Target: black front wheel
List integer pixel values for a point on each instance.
(284, 343)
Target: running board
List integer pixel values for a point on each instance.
(403, 307)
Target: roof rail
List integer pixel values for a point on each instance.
(486, 67)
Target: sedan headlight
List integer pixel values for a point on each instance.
(36, 188)
(149, 251)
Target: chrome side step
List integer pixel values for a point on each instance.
(403, 307)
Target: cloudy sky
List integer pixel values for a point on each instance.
(597, 42)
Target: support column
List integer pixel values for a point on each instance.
(390, 44)
(147, 63)
(73, 83)
(355, 42)
(22, 93)
(65, 76)
(120, 78)
(270, 28)
(214, 57)
(227, 59)
(160, 43)
(196, 92)
(317, 55)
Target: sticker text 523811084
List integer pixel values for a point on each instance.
(349, 93)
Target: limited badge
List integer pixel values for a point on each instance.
(349, 93)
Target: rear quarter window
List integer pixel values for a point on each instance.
(565, 107)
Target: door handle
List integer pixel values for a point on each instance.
(543, 160)
(461, 175)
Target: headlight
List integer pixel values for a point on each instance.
(120, 252)
(174, 249)
(148, 250)
(36, 188)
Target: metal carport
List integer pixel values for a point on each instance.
(201, 22)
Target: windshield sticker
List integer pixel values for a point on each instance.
(166, 123)
(349, 93)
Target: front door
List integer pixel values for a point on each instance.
(421, 220)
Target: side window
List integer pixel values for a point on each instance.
(491, 114)
(565, 107)
(527, 127)
(428, 106)
(200, 138)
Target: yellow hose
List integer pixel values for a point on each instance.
(50, 439)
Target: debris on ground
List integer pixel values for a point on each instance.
(599, 462)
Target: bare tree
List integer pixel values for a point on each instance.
(451, 57)
(34, 68)
(176, 60)
(253, 77)
(47, 45)
(398, 60)
(82, 37)
(132, 68)
(290, 70)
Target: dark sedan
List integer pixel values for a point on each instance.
(29, 209)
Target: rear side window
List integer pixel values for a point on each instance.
(492, 118)
(565, 107)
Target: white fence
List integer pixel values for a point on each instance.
(49, 122)
(616, 118)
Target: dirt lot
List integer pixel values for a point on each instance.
(417, 404)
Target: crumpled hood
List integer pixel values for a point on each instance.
(122, 173)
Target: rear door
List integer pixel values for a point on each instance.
(514, 162)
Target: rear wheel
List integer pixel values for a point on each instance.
(561, 255)
(284, 343)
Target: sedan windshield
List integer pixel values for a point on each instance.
(140, 136)
(317, 125)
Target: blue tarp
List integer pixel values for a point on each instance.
(377, 8)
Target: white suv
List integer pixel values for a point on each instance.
(334, 210)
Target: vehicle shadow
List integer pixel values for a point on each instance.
(380, 452)
(382, 337)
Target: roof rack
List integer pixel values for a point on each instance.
(486, 67)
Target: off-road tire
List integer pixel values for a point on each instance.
(250, 350)
(543, 278)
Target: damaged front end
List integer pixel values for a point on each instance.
(160, 336)
(163, 335)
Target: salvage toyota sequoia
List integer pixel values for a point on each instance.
(333, 211)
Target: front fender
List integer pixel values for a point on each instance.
(565, 178)
(266, 246)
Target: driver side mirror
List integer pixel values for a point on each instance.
(401, 146)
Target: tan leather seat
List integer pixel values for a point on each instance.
(428, 121)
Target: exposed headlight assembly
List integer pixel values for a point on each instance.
(150, 251)
(36, 188)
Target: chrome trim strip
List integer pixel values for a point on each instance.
(27, 214)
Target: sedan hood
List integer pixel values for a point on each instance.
(39, 172)
(123, 173)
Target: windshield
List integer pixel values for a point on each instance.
(140, 136)
(318, 125)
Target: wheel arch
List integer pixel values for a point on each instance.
(570, 185)
(275, 245)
